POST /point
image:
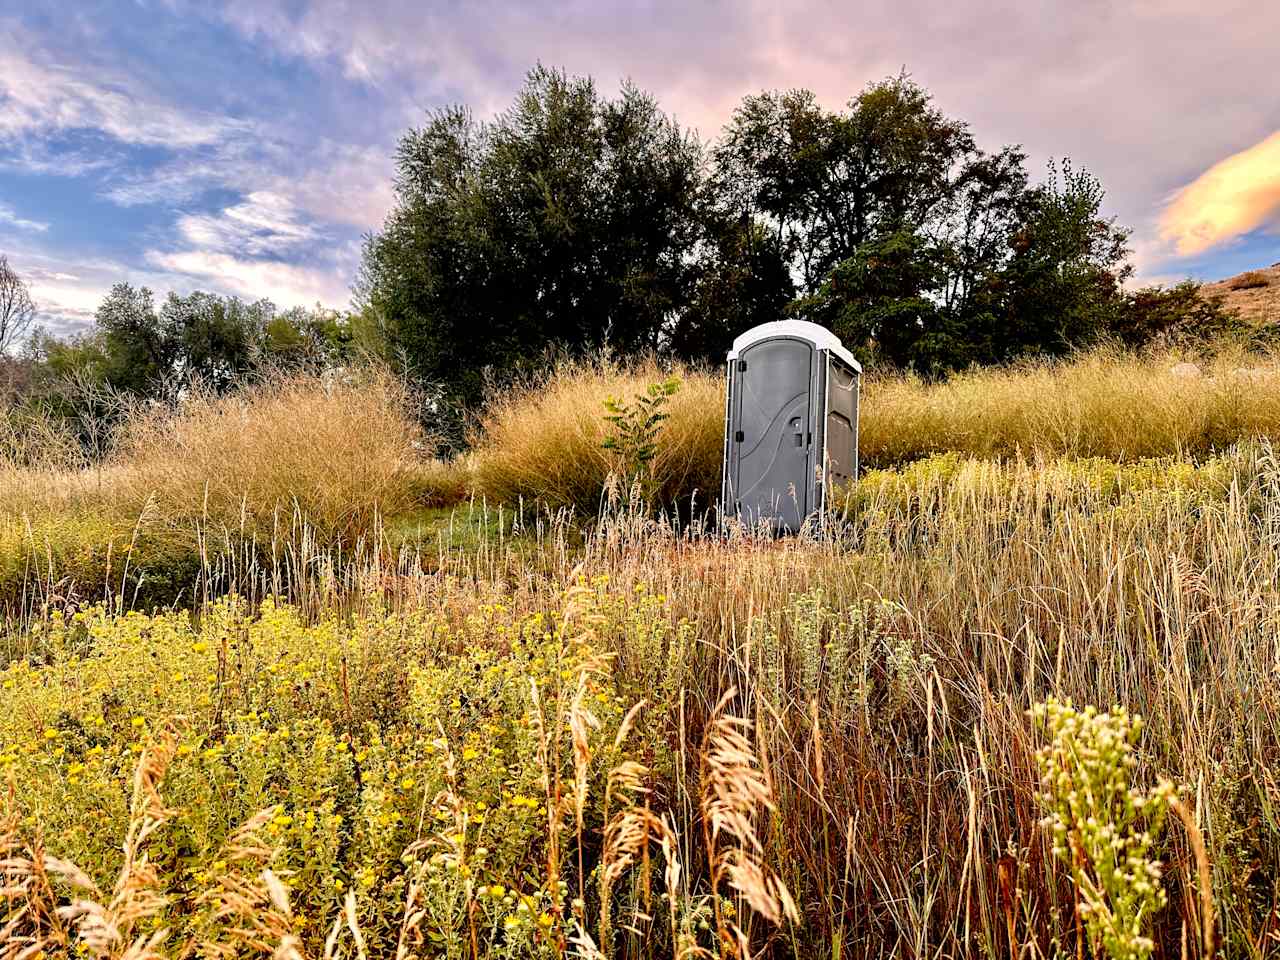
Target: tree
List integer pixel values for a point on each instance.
(569, 222)
(217, 340)
(740, 279)
(882, 296)
(17, 309)
(313, 338)
(915, 246)
(135, 351)
(830, 182)
(138, 350)
(1064, 280)
(889, 217)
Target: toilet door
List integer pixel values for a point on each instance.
(771, 460)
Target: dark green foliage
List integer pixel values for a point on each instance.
(1182, 315)
(1064, 278)
(830, 182)
(568, 222)
(740, 280)
(916, 247)
(881, 296)
(573, 222)
(136, 349)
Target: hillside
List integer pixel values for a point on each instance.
(1254, 294)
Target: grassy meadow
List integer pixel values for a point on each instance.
(276, 683)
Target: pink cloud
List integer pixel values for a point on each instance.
(1235, 196)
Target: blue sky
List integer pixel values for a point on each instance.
(245, 147)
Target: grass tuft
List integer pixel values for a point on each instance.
(544, 441)
(337, 450)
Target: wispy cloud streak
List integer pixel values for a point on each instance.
(8, 216)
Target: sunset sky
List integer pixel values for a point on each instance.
(245, 147)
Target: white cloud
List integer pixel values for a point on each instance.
(346, 184)
(8, 216)
(41, 273)
(263, 223)
(285, 284)
(34, 158)
(250, 249)
(42, 96)
(229, 165)
(66, 293)
(339, 183)
(1235, 196)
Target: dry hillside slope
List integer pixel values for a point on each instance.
(1254, 294)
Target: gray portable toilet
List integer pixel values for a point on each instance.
(791, 424)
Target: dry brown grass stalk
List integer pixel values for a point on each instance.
(544, 442)
(337, 450)
(105, 927)
(735, 791)
(246, 904)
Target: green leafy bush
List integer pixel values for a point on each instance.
(633, 439)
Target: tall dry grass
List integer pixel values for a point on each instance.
(887, 673)
(893, 672)
(1102, 404)
(336, 450)
(544, 441)
(42, 464)
(884, 673)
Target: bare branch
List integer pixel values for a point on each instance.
(17, 309)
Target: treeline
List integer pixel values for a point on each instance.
(574, 223)
(577, 222)
(138, 351)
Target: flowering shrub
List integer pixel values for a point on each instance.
(1103, 827)
(425, 790)
(255, 707)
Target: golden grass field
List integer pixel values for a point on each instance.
(278, 685)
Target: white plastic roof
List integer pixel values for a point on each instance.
(820, 337)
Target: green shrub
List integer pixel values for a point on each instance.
(78, 558)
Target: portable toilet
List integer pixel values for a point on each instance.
(791, 424)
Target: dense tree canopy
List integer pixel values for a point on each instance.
(578, 222)
(570, 220)
(911, 243)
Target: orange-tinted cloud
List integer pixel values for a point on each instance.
(1233, 197)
